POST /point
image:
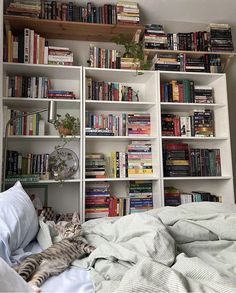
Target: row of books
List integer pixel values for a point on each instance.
(26, 164)
(97, 196)
(110, 91)
(218, 38)
(74, 12)
(185, 91)
(123, 124)
(154, 37)
(199, 123)
(183, 62)
(100, 203)
(24, 8)
(104, 58)
(24, 125)
(221, 38)
(174, 197)
(180, 160)
(123, 12)
(33, 87)
(127, 12)
(140, 199)
(29, 47)
(136, 161)
(95, 165)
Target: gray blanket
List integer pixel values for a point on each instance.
(191, 248)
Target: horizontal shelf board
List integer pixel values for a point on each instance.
(51, 181)
(184, 107)
(202, 78)
(119, 138)
(119, 75)
(39, 103)
(68, 30)
(152, 52)
(199, 178)
(118, 105)
(51, 71)
(121, 179)
(194, 138)
(39, 137)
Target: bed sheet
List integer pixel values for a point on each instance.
(74, 280)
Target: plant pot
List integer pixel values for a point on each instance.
(64, 131)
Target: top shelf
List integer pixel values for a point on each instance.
(69, 30)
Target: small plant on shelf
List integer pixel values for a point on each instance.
(69, 125)
(64, 162)
(133, 50)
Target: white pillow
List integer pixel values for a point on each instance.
(18, 221)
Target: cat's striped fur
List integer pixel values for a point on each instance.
(37, 268)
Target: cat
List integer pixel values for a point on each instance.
(37, 268)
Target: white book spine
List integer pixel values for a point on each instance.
(41, 127)
(46, 55)
(32, 46)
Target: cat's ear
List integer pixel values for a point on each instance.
(75, 218)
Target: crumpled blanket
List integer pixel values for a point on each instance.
(190, 248)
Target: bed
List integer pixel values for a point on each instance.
(190, 248)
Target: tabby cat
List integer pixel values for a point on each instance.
(37, 268)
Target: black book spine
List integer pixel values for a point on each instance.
(54, 10)
(70, 11)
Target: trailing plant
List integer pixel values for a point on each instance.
(69, 125)
(133, 50)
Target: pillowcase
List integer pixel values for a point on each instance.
(18, 221)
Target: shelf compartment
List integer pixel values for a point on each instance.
(69, 30)
(185, 107)
(119, 75)
(39, 103)
(118, 138)
(225, 56)
(50, 71)
(118, 105)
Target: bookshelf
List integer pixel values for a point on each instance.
(71, 195)
(68, 30)
(62, 78)
(145, 84)
(226, 57)
(215, 184)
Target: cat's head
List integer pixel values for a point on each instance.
(73, 228)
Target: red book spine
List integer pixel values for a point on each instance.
(181, 93)
(176, 121)
(24, 124)
(162, 93)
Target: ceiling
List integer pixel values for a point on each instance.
(201, 11)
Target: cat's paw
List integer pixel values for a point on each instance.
(35, 288)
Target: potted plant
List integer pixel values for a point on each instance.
(69, 125)
(133, 50)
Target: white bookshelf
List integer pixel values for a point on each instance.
(70, 195)
(67, 196)
(145, 84)
(218, 185)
